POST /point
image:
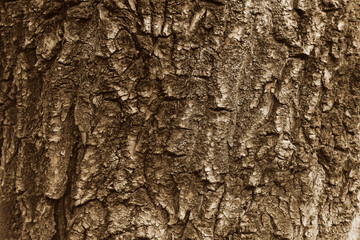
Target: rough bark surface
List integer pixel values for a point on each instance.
(179, 119)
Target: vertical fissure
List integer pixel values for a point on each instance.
(63, 207)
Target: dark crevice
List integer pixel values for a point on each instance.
(63, 206)
(1, 143)
(322, 160)
(60, 219)
(219, 208)
(330, 9)
(299, 55)
(186, 222)
(221, 109)
(60, 9)
(215, 2)
(165, 13)
(172, 154)
(299, 11)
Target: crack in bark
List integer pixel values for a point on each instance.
(63, 206)
(215, 2)
(219, 208)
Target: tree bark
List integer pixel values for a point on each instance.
(179, 119)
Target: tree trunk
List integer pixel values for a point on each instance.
(180, 119)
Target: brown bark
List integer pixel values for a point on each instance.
(179, 119)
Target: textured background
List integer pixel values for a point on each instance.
(179, 119)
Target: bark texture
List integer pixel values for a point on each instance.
(179, 119)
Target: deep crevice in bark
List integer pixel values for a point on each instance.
(63, 207)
